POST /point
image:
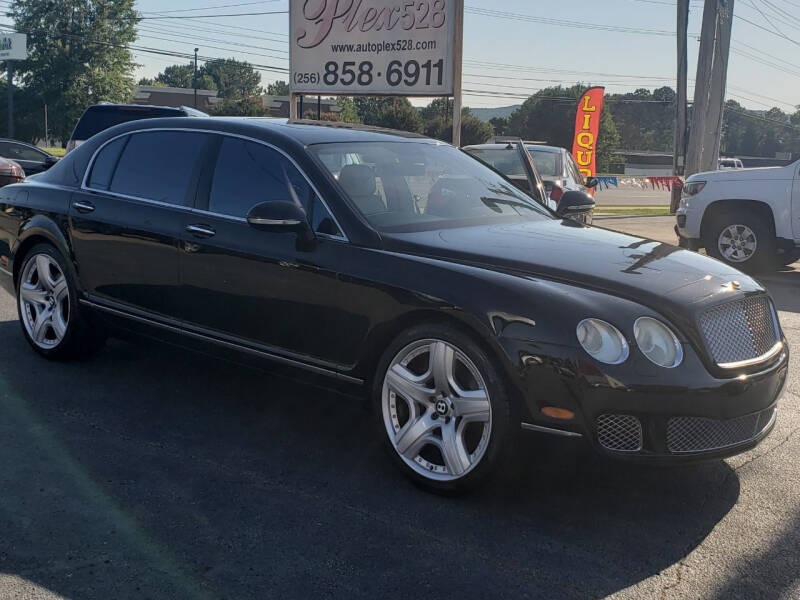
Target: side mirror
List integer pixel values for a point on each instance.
(591, 182)
(49, 161)
(575, 204)
(281, 216)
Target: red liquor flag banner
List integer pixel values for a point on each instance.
(587, 126)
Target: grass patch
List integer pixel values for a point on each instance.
(654, 211)
(55, 151)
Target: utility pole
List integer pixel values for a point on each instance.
(709, 92)
(46, 134)
(194, 79)
(457, 72)
(10, 86)
(679, 159)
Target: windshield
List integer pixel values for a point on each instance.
(408, 186)
(547, 163)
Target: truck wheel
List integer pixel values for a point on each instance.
(742, 239)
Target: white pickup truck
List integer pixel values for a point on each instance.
(749, 218)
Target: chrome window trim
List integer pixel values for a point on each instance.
(85, 182)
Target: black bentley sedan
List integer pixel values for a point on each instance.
(403, 267)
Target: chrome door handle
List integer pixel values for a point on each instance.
(83, 207)
(201, 230)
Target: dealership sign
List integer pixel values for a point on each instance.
(358, 47)
(13, 46)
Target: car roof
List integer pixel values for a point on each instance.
(551, 149)
(293, 136)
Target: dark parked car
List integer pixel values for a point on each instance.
(402, 267)
(32, 159)
(101, 116)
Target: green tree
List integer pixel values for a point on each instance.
(473, 130)
(182, 76)
(393, 113)
(607, 142)
(239, 107)
(548, 115)
(500, 125)
(349, 112)
(278, 88)
(234, 79)
(77, 55)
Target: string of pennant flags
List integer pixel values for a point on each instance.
(662, 183)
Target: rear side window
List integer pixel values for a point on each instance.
(99, 118)
(248, 173)
(159, 165)
(105, 163)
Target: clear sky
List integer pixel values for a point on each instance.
(764, 67)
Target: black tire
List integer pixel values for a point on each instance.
(500, 437)
(80, 337)
(764, 256)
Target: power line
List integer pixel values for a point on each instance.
(497, 14)
(780, 35)
(164, 12)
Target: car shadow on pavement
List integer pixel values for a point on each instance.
(783, 286)
(153, 472)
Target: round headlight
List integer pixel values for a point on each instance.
(602, 341)
(657, 342)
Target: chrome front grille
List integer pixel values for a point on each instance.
(699, 434)
(740, 331)
(620, 433)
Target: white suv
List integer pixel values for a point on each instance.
(749, 218)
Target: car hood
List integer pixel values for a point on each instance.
(760, 174)
(664, 277)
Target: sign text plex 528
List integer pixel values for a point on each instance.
(396, 47)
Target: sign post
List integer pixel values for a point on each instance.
(13, 46)
(376, 48)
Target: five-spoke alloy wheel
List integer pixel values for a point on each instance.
(442, 407)
(48, 311)
(44, 301)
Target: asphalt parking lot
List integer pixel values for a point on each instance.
(152, 472)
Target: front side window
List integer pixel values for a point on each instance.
(159, 165)
(248, 173)
(401, 186)
(547, 163)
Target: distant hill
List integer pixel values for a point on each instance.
(484, 114)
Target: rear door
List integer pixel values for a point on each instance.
(127, 221)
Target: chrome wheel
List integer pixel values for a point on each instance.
(436, 409)
(44, 301)
(737, 243)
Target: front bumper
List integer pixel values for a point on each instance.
(665, 417)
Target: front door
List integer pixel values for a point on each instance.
(259, 288)
(126, 225)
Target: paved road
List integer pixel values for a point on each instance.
(150, 472)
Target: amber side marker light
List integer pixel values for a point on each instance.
(558, 413)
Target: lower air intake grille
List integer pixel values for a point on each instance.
(698, 434)
(620, 433)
